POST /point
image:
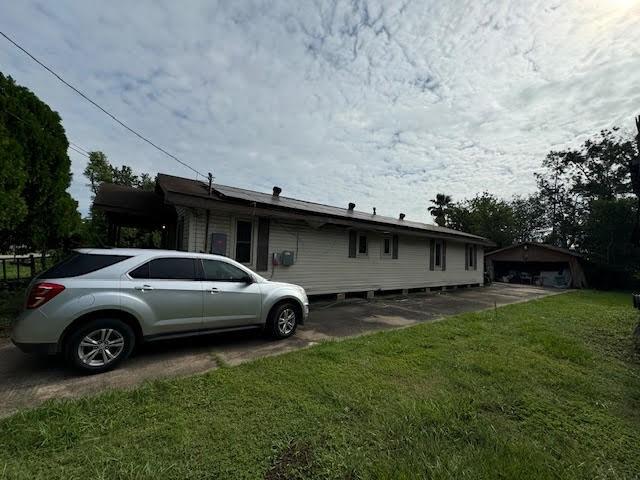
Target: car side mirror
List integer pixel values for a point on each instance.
(248, 279)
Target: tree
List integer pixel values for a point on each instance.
(560, 204)
(125, 176)
(13, 208)
(99, 171)
(587, 194)
(529, 224)
(42, 171)
(607, 232)
(440, 208)
(146, 182)
(485, 215)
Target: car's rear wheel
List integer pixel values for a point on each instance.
(283, 320)
(99, 345)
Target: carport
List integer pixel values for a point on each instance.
(132, 207)
(536, 264)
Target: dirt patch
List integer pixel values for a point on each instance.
(295, 460)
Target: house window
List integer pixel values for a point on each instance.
(386, 250)
(363, 247)
(438, 254)
(470, 256)
(244, 231)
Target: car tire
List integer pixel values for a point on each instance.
(99, 345)
(283, 320)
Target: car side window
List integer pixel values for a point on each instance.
(167, 269)
(217, 271)
(141, 272)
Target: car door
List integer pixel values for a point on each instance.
(231, 297)
(168, 293)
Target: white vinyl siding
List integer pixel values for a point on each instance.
(322, 264)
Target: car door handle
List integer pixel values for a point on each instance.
(143, 287)
(214, 290)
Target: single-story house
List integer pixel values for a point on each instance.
(325, 249)
(536, 264)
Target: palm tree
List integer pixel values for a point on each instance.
(440, 208)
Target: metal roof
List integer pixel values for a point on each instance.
(565, 251)
(223, 192)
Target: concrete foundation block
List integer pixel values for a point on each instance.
(370, 294)
(405, 291)
(340, 297)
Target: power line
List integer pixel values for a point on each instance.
(78, 151)
(139, 135)
(84, 150)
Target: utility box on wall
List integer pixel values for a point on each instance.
(287, 258)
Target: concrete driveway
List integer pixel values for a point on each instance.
(27, 381)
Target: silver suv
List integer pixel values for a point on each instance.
(98, 304)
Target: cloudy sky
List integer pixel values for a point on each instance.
(380, 103)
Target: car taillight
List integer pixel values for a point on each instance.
(41, 293)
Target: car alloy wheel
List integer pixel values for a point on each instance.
(100, 347)
(286, 321)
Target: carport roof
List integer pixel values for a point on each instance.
(536, 244)
(185, 186)
(132, 202)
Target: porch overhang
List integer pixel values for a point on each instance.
(131, 207)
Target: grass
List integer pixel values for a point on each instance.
(545, 389)
(12, 269)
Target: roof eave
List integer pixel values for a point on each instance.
(178, 198)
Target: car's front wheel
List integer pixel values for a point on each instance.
(283, 320)
(99, 345)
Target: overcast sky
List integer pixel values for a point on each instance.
(380, 103)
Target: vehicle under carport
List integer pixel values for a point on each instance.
(536, 264)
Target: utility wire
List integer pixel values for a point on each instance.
(84, 150)
(78, 151)
(139, 135)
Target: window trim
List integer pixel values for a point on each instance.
(366, 237)
(250, 221)
(439, 262)
(386, 238)
(470, 257)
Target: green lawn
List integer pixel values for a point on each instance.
(545, 389)
(11, 270)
